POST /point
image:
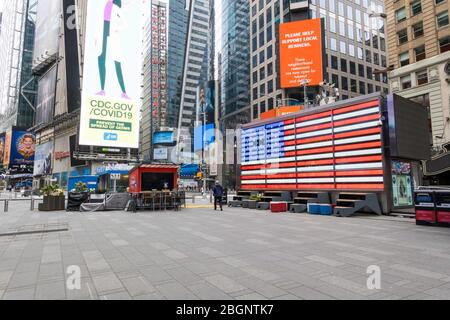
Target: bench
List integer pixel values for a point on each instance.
(304, 198)
(240, 197)
(349, 203)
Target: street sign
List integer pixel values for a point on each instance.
(115, 176)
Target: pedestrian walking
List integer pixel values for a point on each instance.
(218, 195)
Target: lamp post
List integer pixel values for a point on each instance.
(235, 164)
(305, 94)
(204, 150)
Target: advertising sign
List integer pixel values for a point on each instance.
(19, 151)
(47, 31)
(46, 97)
(163, 137)
(280, 112)
(200, 135)
(2, 147)
(43, 159)
(301, 53)
(161, 154)
(112, 75)
(206, 102)
(402, 186)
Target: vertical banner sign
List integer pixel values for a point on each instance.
(2, 148)
(72, 61)
(301, 53)
(112, 74)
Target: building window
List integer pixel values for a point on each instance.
(255, 111)
(444, 44)
(270, 86)
(400, 15)
(442, 19)
(369, 88)
(418, 29)
(362, 87)
(263, 106)
(270, 105)
(344, 85)
(270, 69)
(335, 80)
(269, 34)
(402, 36)
(422, 77)
(419, 52)
(439, 1)
(255, 77)
(406, 82)
(353, 85)
(404, 59)
(343, 65)
(262, 75)
(352, 67)
(269, 52)
(361, 70)
(416, 7)
(334, 63)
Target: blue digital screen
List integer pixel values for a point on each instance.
(199, 136)
(163, 137)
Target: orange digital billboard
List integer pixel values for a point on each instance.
(301, 53)
(279, 112)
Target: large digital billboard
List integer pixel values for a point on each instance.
(19, 151)
(43, 159)
(338, 149)
(301, 53)
(48, 23)
(112, 74)
(45, 107)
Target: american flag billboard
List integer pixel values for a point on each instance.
(338, 149)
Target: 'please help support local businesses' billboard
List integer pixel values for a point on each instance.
(301, 53)
(112, 74)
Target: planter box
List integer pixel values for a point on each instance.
(52, 203)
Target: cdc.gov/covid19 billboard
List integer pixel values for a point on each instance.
(112, 74)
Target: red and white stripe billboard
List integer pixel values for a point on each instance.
(339, 149)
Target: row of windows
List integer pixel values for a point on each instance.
(350, 67)
(415, 8)
(420, 54)
(421, 78)
(417, 28)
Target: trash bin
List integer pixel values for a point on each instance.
(443, 207)
(425, 207)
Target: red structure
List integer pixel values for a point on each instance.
(148, 177)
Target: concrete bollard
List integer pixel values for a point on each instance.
(32, 204)
(6, 206)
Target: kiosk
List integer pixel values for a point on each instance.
(150, 177)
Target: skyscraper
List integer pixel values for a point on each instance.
(177, 38)
(154, 110)
(17, 84)
(235, 78)
(197, 68)
(355, 48)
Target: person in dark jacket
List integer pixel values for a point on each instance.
(218, 194)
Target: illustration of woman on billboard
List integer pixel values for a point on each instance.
(26, 146)
(113, 25)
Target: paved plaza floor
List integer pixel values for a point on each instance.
(202, 255)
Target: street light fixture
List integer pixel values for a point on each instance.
(390, 68)
(378, 15)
